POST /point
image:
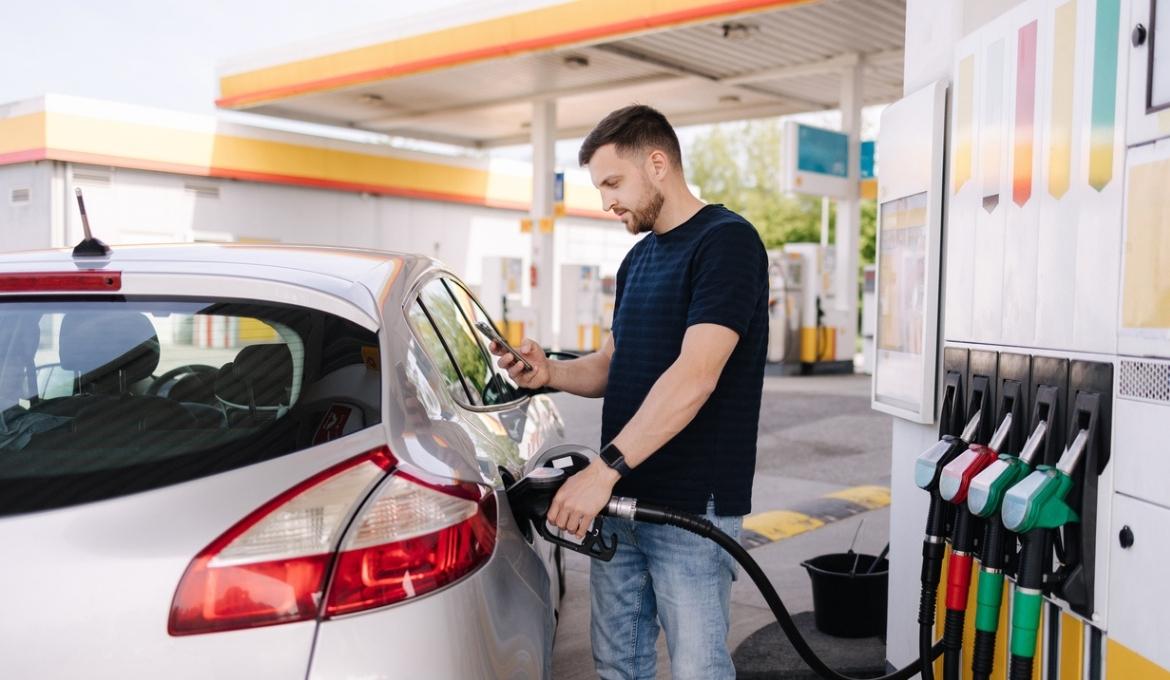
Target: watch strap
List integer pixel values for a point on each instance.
(614, 458)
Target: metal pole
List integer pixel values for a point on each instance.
(544, 131)
(848, 233)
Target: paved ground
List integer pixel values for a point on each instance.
(817, 435)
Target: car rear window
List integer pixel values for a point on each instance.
(103, 398)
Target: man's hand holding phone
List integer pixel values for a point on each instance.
(535, 378)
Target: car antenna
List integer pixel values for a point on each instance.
(89, 246)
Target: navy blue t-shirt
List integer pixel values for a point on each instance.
(710, 269)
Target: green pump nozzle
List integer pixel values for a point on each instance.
(988, 488)
(1038, 502)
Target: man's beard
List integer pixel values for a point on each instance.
(643, 220)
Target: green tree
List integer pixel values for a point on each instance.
(738, 165)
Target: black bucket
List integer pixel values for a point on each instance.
(845, 605)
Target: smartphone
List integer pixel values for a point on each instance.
(492, 334)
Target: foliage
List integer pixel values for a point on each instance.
(738, 165)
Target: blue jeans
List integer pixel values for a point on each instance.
(663, 575)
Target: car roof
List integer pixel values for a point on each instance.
(330, 269)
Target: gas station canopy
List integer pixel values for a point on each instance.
(697, 61)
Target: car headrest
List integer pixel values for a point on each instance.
(260, 376)
(110, 348)
(18, 347)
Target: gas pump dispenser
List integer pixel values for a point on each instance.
(1052, 231)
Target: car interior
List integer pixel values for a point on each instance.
(311, 379)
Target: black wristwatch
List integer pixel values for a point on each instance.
(613, 457)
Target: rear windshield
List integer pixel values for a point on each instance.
(102, 398)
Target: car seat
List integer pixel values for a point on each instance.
(107, 352)
(257, 385)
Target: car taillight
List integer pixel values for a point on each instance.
(95, 280)
(412, 538)
(272, 565)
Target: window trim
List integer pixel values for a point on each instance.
(414, 295)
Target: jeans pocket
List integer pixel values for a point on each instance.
(731, 525)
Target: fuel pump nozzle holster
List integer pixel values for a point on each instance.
(532, 495)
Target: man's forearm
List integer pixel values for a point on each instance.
(584, 377)
(671, 405)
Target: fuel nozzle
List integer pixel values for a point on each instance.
(956, 478)
(1039, 502)
(531, 496)
(988, 487)
(929, 466)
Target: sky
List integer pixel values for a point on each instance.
(169, 54)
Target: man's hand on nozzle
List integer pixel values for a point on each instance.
(582, 497)
(536, 378)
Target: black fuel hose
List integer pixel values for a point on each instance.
(629, 509)
(933, 549)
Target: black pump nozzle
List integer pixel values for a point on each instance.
(89, 246)
(532, 495)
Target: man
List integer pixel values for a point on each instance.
(682, 375)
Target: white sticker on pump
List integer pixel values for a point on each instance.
(562, 462)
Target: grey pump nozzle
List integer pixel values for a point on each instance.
(972, 426)
(1034, 441)
(1072, 455)
(1001, 433)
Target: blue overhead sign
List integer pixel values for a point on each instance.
(867, 162)
(816, 161)
(822, 151)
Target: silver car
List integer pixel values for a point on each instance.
(237, 461)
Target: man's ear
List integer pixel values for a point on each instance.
(658, 164)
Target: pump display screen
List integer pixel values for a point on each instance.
(901, 300)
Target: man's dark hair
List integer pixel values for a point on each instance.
(633, 129)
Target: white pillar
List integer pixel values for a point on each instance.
(848, 233)
(544, 137)
(824, 221)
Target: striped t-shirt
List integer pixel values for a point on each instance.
(710, 269)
